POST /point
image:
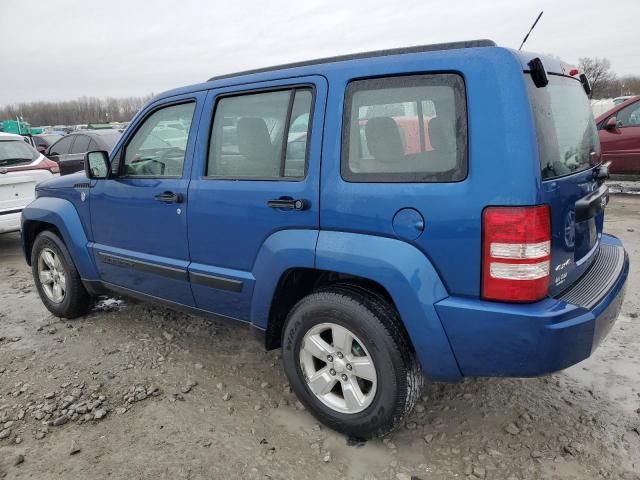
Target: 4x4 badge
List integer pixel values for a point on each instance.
(83, 196)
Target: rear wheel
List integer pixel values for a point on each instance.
(56, 278)
(349, 361)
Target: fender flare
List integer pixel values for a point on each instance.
(411, 280)
(63, 215)
(281, 251)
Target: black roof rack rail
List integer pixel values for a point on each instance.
(376, 53)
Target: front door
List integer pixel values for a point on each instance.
(138, 217)
(621, 146)
(257, 173)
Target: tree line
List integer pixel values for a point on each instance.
(75, 112)
(604, 82)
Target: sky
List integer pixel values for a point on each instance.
(64, 49)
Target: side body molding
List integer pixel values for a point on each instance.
(63, 215)
(410, 279)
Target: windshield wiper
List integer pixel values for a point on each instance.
(12, 161)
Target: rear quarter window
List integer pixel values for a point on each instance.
(405, 129)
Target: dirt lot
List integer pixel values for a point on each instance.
(133, 391)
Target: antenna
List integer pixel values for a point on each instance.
(530, 30)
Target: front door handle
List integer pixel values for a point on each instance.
(289, 203)
(169, 197)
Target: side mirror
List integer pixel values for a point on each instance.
(96, 164)
(611, 124)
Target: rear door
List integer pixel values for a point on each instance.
(138, 216)
(257, 173)
(569, 151)
(621, 146)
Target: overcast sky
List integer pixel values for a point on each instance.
(64, 49)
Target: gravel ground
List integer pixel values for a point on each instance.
(134, 391)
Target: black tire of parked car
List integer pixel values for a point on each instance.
(77, 301)
(375, 321)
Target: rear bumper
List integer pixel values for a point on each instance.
(10, 222)
(499, 339)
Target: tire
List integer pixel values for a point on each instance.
(378, 336)
(75, 300)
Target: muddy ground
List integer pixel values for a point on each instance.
(139, 392)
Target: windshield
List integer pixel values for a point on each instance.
(16, 152)
(567, 134)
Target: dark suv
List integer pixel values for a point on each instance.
(69, 151)
(431, 211)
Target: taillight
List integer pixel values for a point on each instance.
(516, 251)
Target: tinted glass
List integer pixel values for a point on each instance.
(81, 145)
(567, 134)
(629, 116)
(62, 146)
(248, 135)
(93, 146)
(405, 129)
(110, 140)
(295, 158)
(150, 155)
(16, 152)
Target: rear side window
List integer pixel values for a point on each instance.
(405, 129)
(261, 135)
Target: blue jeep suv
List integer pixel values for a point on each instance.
(431, 211)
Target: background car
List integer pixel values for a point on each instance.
(21, 168)
(619, 131)
(69, 151)
(45, 140)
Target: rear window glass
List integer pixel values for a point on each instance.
(567, 134)
(16, 152)
(405, 129)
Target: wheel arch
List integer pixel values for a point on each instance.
(59, 216)
(393, 268)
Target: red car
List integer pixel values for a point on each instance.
(619, 131)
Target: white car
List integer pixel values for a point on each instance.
(21, 169)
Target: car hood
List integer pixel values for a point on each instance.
(66, 181)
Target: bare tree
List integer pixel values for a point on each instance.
(74, 112)
(598, 71)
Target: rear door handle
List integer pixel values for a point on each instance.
(169, 197)
(289, 203)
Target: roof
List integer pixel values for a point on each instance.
(375, 53)
(10, 136)
(102, 131)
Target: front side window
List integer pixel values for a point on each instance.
(81, 145)
(158, 148)
(260, 135)
(62, 147)
(405, 129)
(629, 116)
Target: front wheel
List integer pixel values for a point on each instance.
(56, 278)
(349, 360)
